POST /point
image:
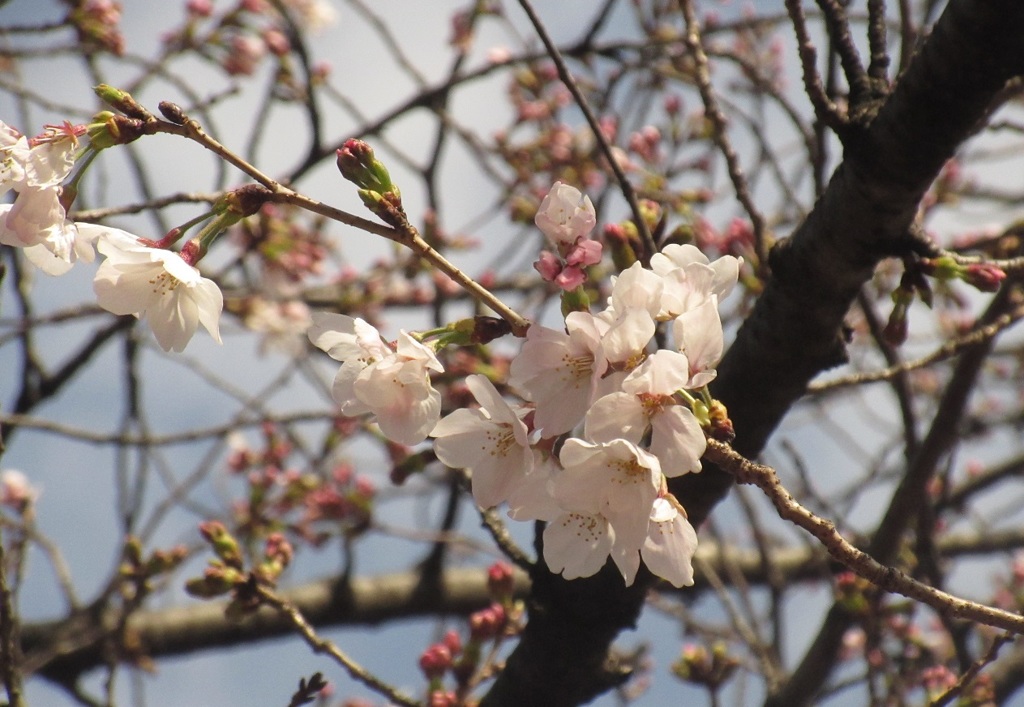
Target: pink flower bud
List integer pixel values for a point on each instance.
(435, 661)
(584, 252)
(984, 276)
(453, 641)
(500, 581)
(570, 278)
(548, 265)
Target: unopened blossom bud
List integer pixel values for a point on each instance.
(984, 276)
(623, 243)
(487, 623)
(222, 542)
(584, 252)
(571, 278)
(15, 491)
(721, 426)
(435, 661)
(278, 548)
(548, 265)
(500, 581)
(896, 329)
(108, 129)
(453, 641)
(199, 8)
(440, 698)
(276, 41)
(173, 112)
(358, 164)
(122, 101)
(214, 582)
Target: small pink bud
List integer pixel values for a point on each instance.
(984, 276)
(435, 661)
(570, 278)
(548, 265)
(500, 581)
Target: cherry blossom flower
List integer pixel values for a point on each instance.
(558, 370)
(577, 544)
(724, 271)
(698, 334)
(615, 479)
(393, 384)
(37, 221)
(491, 442)
(646, 401)
(565, 215)
(157, 285)
(671, 543)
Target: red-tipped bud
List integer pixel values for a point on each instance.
(435, 661)
(984, 276)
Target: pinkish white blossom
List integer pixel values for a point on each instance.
(393, 384)
(565, 215)
(156, 285)
(557, 371)
(491, 442)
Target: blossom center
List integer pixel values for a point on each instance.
(164, 284)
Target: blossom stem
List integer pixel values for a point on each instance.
(189, 128)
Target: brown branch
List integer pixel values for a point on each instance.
(883, 576)
(325, 646)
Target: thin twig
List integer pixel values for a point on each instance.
(947, 350)
(713, 112)
(650, 247)
(323, 645)
(885, 577)
(972, 672)
(10, 651)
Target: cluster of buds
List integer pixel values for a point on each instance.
(226, 573)
(698, 666)
(985, 277)
(97, 24)
(289, 251)
(358, 164)
(982, 276)
(567, 217)
(314, 506)
(854, 593)
(464, 660)
(138, 570)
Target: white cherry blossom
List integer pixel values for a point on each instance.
(557, 371)
(394, 385)
(646, 401)
(670, 545)
(698, 334)
(577, 544)
(491, 442)
(565, 215)
(156, 285)
(616, 480)
(725, 270)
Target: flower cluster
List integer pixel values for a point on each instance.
(37, 221)
(138, 277)
(567, 217)
(604, 418)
